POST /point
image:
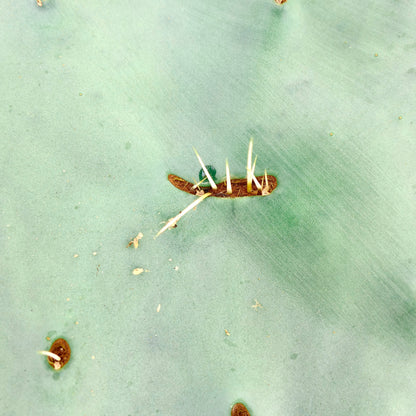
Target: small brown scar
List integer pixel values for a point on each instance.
(62, 349)
(239, 187)
(239, 410)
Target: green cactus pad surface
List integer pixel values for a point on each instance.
(299, 303)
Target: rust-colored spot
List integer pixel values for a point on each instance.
(239, 410)
(62, 349)
(239, 187)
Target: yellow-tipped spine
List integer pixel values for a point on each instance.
(199, 183)
(256, 182)
(211, 181)
(249, 171)
(265, 189)
(227, 172)
(172, 222)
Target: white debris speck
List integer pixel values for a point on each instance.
(138, 271)
(135, 240)
(158, 308)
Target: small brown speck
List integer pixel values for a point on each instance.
(239, 410)
(61, 348)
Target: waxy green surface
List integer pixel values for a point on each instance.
(101, 100)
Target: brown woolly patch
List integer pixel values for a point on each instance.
(239, 187)
(239, 410)
(61, 348)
